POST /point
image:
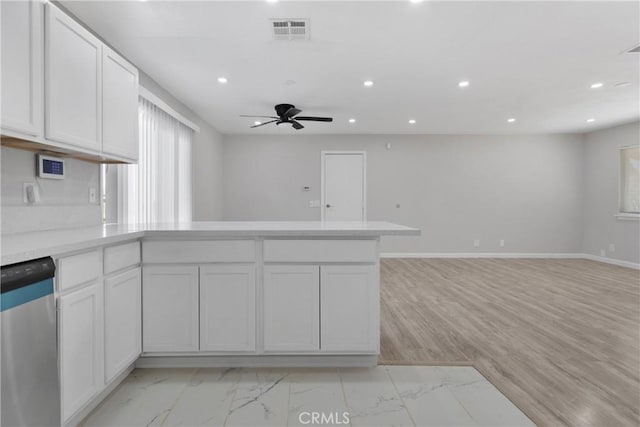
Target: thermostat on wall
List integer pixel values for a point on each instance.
(50, 167)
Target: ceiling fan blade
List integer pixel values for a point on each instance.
(262, 124)
(315, 119)
(290, 113)
(264, 117)
(296, 125)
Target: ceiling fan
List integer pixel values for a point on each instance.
(287, 113)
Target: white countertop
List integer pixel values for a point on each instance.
(25, 246)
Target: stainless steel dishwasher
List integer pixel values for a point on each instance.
(30, 386)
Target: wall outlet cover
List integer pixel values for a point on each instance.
(502, 243)
(612, 247)
(602, 252)
(93, 195)
(476, 243)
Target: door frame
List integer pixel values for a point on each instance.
(323, 155)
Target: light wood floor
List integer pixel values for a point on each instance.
(560, 338)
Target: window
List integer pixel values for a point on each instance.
(630, 179)
(158, 188)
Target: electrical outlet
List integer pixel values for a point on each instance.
(93, 195)
(502, 243)
(602, 252)
(476, 243)
(612, 247)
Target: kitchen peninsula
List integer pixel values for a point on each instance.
(222, 293)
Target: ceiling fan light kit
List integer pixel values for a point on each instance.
(288, 113)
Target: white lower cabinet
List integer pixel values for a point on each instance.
(122, 321)
(81, 346)
(291, 308)
(170, 308)
(227, 308)
(349, 308)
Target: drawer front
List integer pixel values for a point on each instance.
(77, 269)
(121, 256)
(197, 252)
(320, 251)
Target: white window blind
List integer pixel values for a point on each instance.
(630, 179)
(158, 188)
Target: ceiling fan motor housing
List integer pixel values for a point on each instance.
(283, 108)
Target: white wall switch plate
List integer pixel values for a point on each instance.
(476, 243)
(93, 195)
(314, 203)
(30, 193)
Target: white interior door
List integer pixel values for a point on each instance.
(344, 186)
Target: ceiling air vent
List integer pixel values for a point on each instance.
(290, 29)
(634, 49)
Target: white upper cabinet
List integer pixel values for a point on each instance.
(119, 106)
(22, 67)
(73, 82)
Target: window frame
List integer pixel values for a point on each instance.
(621, 214)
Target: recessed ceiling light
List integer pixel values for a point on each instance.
(256, 123)
(596, 85)
(591, 120)
(463, 83)
(415, 1)
(622, 84)
(222, 80)
(412, 122)
(352, 120)
(272, 1)
(368, 83)
(511, 120)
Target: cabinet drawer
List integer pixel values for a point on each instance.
(121, 256)
(196, 252)
(320, 251)
(77, 269)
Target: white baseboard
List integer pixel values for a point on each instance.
(478, 255)
(621, 263)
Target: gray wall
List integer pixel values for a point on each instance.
(526, 190)
(64, 203)
(601, 177)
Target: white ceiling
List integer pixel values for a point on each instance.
(534, 61)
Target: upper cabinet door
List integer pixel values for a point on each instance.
(119, 106)
(73, 82)
(22, 57)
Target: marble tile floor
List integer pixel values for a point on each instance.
(380, 396)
